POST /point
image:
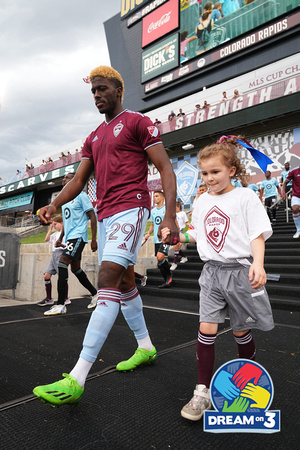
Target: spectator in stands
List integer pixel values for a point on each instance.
(161, 250)
(43, 162)
(49, 160)
(200, 190)
(31, 166)
(171, 116)
(27, 167)
(203, 33)
(271, 186)
(182, 221)
(224, 98)
(216, 12)
(205, 105)
(1, 182)
(184, 41)
(208, 7)
(52, 268)
(181, 113)
(62, 155)
(157, 122)
(197, 107)
(229, 6)
(235, 94)
(294, 176)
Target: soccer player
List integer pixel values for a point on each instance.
(118, 151)
(161, 250)
(294, 176)
(270, 185)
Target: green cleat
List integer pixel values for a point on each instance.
(61, 392)
(140, 358)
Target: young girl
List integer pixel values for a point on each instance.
(52, 268)
(230, 227)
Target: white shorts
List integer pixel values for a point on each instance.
(120, 236)
(295, 201)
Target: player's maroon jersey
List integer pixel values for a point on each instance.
(294, 176)
(117, 150)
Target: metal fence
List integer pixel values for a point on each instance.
(19, 222)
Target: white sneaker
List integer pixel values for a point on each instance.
(173, 266)
(93, 301)
(183, 260)
(195, 408)
(144, 280)
(297, 234)
(55, 310)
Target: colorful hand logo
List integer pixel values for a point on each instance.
(225, 386)
(239, 405)
(258, 394)
(246, 373)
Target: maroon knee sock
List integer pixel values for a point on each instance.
(246, 346)
(205, 357)
(48, 287)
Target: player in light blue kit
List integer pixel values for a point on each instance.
(75, 216)
(161, 250)
(270, 185)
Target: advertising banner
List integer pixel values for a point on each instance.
(17, 200)
(160, 58)
(9, 260)
(233, 46)
(160, 22)
(129, 6)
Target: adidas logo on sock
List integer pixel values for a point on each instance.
(102, 304)
(250, 319)
(123, 246)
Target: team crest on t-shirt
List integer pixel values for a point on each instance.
(118, 128)
(216, 225)
(153, 131)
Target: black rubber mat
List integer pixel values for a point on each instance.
(135, 410)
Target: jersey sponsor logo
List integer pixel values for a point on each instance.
(118, 128)
(123, 246)
(153, 131)
(216, 224)
(67, 213)
(158, 220)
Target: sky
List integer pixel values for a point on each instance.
(46, 49)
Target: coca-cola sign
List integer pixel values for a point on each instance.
(160, 22)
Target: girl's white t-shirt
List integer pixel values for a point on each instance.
(224, 225)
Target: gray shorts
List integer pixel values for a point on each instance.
(52, 267)
(225, 289)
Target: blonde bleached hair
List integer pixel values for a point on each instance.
(227, 148)
(112, 74)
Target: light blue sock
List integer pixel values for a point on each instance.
(132, 309)
(296, 218)
(100, 323)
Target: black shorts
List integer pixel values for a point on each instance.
(74, 248)
(162, 248)
(269, 201)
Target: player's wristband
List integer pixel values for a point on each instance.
(187, 237)
(283, 192)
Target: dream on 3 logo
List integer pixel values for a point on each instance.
(186, 177)
(241, 392)
(216, 224)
